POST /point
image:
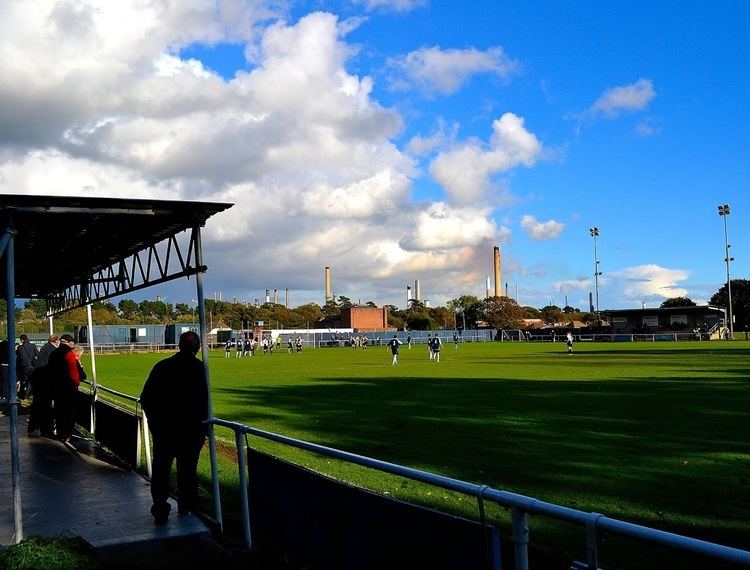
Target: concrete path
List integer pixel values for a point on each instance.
(67, 489)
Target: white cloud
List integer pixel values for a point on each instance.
(541, 230)
(444, 134)
(650, 282)
(96, 101)
(626, 98)
(646, 129)
(441, 227)
(465, 171)
(392, 5)
(436, 71)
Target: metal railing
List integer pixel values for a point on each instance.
(143, 432)
(521, 506)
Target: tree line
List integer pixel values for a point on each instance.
(465, 311)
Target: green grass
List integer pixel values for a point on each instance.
(652, 433)
(40, 553)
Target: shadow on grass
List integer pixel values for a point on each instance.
(667, 452)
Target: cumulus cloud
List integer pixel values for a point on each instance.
(436, 71)
(626, 98)
(466, 170)
(443, 135)
(392, 5)
(650, 282)
(95, 100)
(441, 227)
(541, 230)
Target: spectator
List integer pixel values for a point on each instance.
(175, 400)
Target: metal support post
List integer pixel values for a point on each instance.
(242, 466)
(204, 354)
(521, 538)
(10, 280)
(94, 387)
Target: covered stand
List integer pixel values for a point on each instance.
(75, 251)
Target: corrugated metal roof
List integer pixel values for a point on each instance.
(61, 240)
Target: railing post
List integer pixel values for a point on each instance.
(520, 538)
(147, 442)
(242, 466)
(592, 552)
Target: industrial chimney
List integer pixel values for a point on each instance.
(329, 296)
(268, 295)
(498, 281)
(408, 295)
(487, 289)
(416, 290)
(275, 296)
(286, 298)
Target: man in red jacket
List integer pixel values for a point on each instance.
(64, 373)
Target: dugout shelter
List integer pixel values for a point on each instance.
(73, 251)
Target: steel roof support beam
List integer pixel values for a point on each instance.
(150, 266)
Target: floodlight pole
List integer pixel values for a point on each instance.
(594, 234)
(204, 355)
(724, 212)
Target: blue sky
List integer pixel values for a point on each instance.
(397, 140)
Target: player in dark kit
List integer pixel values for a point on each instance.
(394, 343)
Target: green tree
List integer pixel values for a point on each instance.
(531, 313)
(503, 313)
(307, 315)
(129, 309)
(470, 310)
(331, 308)
(552, 314)
(677, 302)
(344, 302)
(443, 317)
(740, 302)
(39, 306)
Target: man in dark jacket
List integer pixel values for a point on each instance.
(26, 355)
(175, 401)
(46, 350)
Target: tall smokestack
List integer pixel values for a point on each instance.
(268, 295)
(416, 290)
(591, 302)
(286, 298)
(506, 288)
(408, 295)
(329, 296)
(487, 288)
(498, 281)
(275, 296)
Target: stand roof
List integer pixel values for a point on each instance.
(102, 247)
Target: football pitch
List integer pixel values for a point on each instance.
(652, 433)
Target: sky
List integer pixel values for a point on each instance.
(396, 140)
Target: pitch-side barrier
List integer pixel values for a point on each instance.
(521, 506)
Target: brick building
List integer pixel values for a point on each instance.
(359, 318)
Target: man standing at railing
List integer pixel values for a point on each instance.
(175, 401)
(65, 376)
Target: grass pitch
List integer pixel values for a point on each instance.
(652, 433)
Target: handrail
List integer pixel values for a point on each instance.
(521, 504)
